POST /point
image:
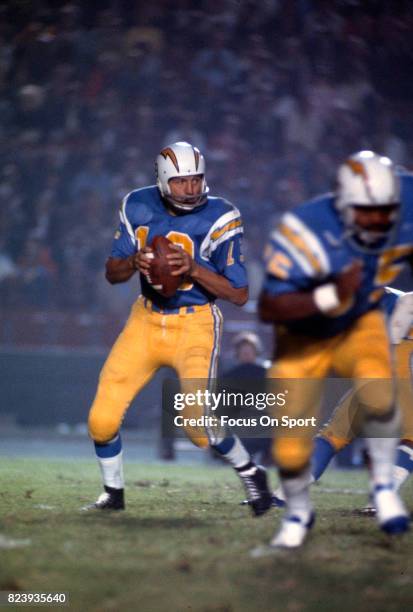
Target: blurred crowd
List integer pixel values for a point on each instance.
(275, 93)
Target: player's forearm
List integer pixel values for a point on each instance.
(219, 286)
(286, 307)
(119, 270)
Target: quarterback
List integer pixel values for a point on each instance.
(327, 265)
(182, 331)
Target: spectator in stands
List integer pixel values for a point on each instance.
(282, 93)
(248, 374)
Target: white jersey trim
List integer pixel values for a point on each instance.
(208, 245)
(124, 219)
(229, 234)
(310, 238)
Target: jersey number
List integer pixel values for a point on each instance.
(179, 238)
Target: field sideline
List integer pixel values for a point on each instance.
(183, 544)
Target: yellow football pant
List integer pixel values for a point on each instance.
(361, 352)
(341, 428)
(187, 341)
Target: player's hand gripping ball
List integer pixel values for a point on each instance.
(159, 276)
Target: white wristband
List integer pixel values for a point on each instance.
(326, 297)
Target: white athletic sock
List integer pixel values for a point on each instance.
(111, 469)
(280, 493)
(233, 451)
(297, 495)
(382, 448)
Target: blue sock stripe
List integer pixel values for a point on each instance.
(109, 449)
(323, 453)
(383, 487)
(225, 446)
(404, 460)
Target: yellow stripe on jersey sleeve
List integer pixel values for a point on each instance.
(228, 227)
(299, 243)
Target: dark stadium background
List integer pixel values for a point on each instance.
(275, 93)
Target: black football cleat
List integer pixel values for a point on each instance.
(254, 478)
(276, 501)
(110, 499)
(368, 510)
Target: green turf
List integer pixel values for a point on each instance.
(183, 544)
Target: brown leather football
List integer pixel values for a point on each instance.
(160, 277)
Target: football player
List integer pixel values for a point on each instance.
(182, 331)
(342, 426)
(327, 265)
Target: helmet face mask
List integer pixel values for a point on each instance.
(176, 161)
(368, 182)
(374, 224)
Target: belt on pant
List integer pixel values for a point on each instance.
(149, 305)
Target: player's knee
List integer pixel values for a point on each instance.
(292, 454)
(102, 428)
(200, 442)
(376, 397)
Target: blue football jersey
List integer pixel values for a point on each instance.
(210, 233)
(311, 246)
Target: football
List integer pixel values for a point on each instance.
(160, 277)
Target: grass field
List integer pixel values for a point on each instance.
(183, 544)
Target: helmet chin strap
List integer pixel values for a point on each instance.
(370, 238)
(370, 241)
(188, 202)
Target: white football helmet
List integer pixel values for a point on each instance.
(366, 179)
(180, 159)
